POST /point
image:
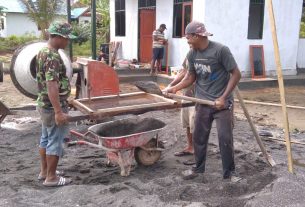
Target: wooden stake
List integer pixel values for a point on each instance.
(281, 84)
(257, 137)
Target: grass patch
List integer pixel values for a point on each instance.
(11, 43)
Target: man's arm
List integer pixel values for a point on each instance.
(60, 117)
(178, 78)
(234, 79)
(187, 81)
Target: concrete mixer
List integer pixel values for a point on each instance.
(23, 67)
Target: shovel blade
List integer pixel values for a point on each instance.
(149, 87)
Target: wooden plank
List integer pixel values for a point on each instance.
(112, 96)
(133, 107)
(282, 140)
(257, 137)
(281, 84)
(271, 104)
(81, 106)
(163, 98)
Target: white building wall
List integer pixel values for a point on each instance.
(129, 48)
(301, 54)
(19, 24)
(229, 23)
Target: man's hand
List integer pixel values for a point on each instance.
(220, 103)
(61, 118)
(168, 89)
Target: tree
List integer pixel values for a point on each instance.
(2, 9)
(43, 12)
(103, 24)
(103, 18)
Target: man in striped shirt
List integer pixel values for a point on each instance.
(158, 51)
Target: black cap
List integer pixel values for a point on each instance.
(163, 26)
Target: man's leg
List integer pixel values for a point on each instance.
(158, 67)
(52, 161)
(202, 128)
(189, 135)
(225, 137)
(153, 62)
(42, 152)
(54, 150)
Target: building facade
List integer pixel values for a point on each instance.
(238, 24)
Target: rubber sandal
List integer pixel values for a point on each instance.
(61, 182)
(58, 173)
(183, 153)
(189, 162)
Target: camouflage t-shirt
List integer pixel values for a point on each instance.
(50, 67)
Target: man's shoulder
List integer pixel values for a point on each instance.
(217, 45)
(47, 52)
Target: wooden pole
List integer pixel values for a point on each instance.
(257, 137)
(281, 84)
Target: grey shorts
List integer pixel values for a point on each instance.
(52, 135)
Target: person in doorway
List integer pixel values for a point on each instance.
(53, 92)
(215, 73)
(158, 49)
(187, 113)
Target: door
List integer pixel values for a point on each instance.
(147, 26)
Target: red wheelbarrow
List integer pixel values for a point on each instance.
(126, 139)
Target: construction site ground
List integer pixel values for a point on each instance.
(95, 184)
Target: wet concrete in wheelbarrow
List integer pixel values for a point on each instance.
(128, 126)
(95, 184)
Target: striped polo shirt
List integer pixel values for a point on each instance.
(159, 35)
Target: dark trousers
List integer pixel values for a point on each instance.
(203, 123)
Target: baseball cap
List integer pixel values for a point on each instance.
(63, 29)
(163, 26)
(197, 28)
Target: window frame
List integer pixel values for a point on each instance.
(184, 3)
(262, 19)
(118, 32)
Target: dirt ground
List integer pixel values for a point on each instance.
(95, 184)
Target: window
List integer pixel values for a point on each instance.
(147, 4)
(119, 17)
(182, 16)
(256, 19)
(2, 23)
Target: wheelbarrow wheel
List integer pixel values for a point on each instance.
(146, 158)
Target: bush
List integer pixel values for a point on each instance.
(9, 44)
(302, 30)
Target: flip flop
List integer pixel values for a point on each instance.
(58, 173)
(183, 153)
(61, 182)
(189, 162)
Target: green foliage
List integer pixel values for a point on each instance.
(82, 50)
(302, 30)
(103, 23)
(82, 31)
(42, 12)
(12, 42)
(2, 10)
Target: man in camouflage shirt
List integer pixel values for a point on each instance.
(53, 91)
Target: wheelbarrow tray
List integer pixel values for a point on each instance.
(127, 133)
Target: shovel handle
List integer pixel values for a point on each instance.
(187, 98)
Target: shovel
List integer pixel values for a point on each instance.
(153, 88)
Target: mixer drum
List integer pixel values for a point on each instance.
(23, 67)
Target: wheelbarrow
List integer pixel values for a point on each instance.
(127, 139)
